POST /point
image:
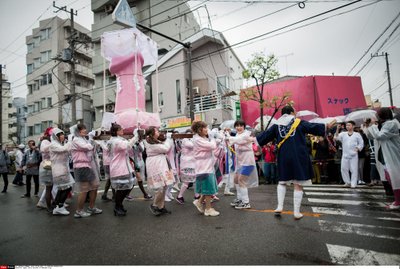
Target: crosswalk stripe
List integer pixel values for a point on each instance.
(356, 228)
(357, 256)
(342, 194)
(311, 188)
(343, 212)
(345, 202)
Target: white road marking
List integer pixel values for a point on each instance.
(345, 202)
(342, 194)
(310, 188)
(343, 212)
(356, 228)
(357, 256)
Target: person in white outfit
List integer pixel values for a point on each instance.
(352, 143)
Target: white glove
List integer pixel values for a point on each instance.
(169, 135)
(136, 133)
(218, 141)
(92, 134)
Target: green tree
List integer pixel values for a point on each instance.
(263, 70)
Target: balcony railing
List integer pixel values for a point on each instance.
(209, 102)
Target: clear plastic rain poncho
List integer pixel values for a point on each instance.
(246, 171)
(59, 156)
(128, 51)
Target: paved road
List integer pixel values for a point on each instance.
(341, 226)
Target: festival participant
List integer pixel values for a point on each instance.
(206, 182)
(106, 166)
(19, 155)
(246, 171)
(138, 149)
(62, 179)
(31, 161)
(45, 174)
(187, 172)
(352, 143)
(386, 134)
(294, 164)
(85, 171)
(4, 163)
(159, 173)
(121, 173)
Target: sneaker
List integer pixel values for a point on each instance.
(155, 210)
(81, 214)
(105, 198)
(41, 204)
(196, 197)
(170, 196)
(66, 205)
(361, 182)
(25, 196)
(180, 200)
(235, 202)
(243, 205)
(393, 206)
(199, 206)
(165, 211)
(211, 212)
(166, 199)
(297, 216)
(94, 211)
(173, 190)
(60, 211)
(4, 191)
(214, 198)
(148, 197)
(228, 193)
(129, 198)
(346, 185)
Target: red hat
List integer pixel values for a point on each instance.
(48, 131)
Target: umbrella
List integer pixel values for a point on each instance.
(227, 124)
(323, 120)
(360, 116)
(306, 115)
(266, 120)
(340, 119)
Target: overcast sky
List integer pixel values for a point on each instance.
(332, 46)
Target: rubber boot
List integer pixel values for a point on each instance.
(281, 192)
(297, 197)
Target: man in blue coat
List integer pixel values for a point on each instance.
(294, 163)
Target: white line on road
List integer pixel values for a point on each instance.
(345, 202)
(311, 188)
(357, 256)
(357, 228)
(343, 194)
(343, 212)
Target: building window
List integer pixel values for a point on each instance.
(38, 129)
(30, 109)
(45, 56)
(36, 63)
(30, 88)
(49, 102)
(44, 103)
(44, 34)
(222, 84)
(29, 68)
(30, 47)
(36, 41)
(46, 79)
(178, 96)
(36, 107)
(46, 124)
(30, 130)
(160, 99)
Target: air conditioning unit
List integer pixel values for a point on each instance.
(196, 90)
(110, 108)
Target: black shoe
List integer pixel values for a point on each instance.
(105, 198)
(155, 210)
(119, 212)
(4, 191)
(148, 197)
(164, 211)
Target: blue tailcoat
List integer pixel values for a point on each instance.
(293, 160)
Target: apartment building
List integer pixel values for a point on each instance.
(49, 76)
(9, 120)
(19, 104)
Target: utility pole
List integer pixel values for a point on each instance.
(1, 104)
(72, 61)
(387, 72)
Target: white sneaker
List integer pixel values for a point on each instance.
(66, 205)
(81, 214)
(166, 199)
(243, 205)
(228, 193)
(94, 211)
(170, 196)
(60, 211)
(211, 212)
(41, 204)
(198, 205)
(173, 190)
(297, 216)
